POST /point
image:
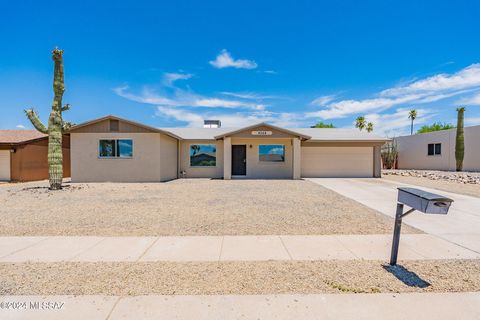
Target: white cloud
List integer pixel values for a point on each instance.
(270, 72)
(466, 78)
(472, 121)
(422, 91)
(398, 123)
(170, 78)
(472, 100)
(225, 60)
(249, 95)
(237, 119)
(176, 97)
(322, 100)
(20, 126)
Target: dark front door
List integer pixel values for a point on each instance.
(239, 160)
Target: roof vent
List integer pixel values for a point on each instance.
(212, 123)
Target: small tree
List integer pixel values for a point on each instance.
(412, 115)
(360, 123)
(56, 126)
(323, 125)
(389, 155)
(436, 126)
(370, 127)
(460, 140)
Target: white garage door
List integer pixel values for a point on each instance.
(4, 165)
(339, 162)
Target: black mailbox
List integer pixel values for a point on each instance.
(420, 200)
(424, 201)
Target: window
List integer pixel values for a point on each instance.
(271, 152)
(203, 155)
(119, 148)
(434, 149)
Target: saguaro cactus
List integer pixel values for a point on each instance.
(56, 126)
(460, 140)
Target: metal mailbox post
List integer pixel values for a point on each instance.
(420, 200)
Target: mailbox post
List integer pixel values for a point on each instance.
(416, 199)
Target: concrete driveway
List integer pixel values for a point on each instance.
(461, 226)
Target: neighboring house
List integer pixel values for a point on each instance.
(24, 155)
(115, 149)
(436, 150)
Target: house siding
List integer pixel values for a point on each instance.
(412, 150)
(144, 166)
(168, 158)
(200, 172)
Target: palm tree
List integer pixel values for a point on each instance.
(360, 123)
(370, 127)
(412, 115)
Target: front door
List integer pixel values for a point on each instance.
(239, 160)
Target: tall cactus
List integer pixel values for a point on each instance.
(460, 140)
(56, 126)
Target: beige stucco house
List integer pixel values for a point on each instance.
(115, 149)
(436, 150)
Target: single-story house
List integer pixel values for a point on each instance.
(24, 155)
(120, 150)
(436, 150)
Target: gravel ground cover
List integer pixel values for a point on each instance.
(272, 277)
(185, 207)
(445, 185)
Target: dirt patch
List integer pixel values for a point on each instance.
(186, 207)
(272, 277)
(445, 185)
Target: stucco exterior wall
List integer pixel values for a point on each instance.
(144, 166)
(257, 169)
(168, 158)
(200, 172)
(29, 162)
(412, 150)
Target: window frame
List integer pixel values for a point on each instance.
(117, 149)
(201, 144)
(434, 146)
(272, 161)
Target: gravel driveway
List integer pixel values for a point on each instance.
(185, 207)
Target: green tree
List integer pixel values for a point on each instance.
(56, 126)
(360, 123)
(323, 125)
(460, 139)
(370, 127)
(436, 126)
(412, 115)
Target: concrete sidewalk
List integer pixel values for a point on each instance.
(460, 226)
(227, 248)
(296, 306)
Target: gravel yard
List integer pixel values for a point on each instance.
(445, 185)
(272, 277)
(185, 207)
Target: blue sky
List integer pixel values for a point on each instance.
(290, 63)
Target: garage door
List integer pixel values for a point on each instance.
(4, 165)
(337, 162)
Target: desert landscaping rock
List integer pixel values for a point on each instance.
(185, 207)
(467, 183)
(461, 177)
(269, 277)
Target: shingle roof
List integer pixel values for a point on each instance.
(339, 134)
(316, 134)
(19, 136)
